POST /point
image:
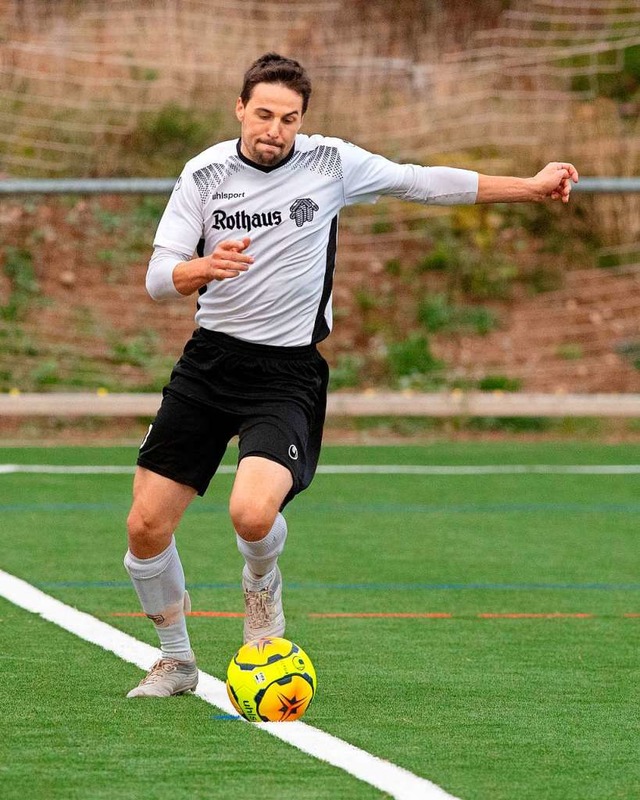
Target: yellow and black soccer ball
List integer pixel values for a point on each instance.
(271, 680)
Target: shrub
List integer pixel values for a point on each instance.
(499, 383)
(412, 357)
(18, 267)
(435, 313)
(346, 372)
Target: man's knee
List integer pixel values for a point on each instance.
(252, 520)
(158, 506)
(259, 489)
(145, 531)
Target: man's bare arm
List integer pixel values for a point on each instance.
(553, 181)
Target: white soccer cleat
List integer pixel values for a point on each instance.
(167, 677)
(264, 615)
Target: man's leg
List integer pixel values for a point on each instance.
(258, 492)
(154, 566)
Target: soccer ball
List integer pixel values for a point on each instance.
(271, 680)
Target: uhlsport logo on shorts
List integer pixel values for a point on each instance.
(293, 452)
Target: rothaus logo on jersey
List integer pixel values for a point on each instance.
(247, 222)
(302, 211)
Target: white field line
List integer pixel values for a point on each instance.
(399, 783)
(363, 469)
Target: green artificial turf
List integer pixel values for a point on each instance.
(522, 684)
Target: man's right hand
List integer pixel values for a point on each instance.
(228, 260)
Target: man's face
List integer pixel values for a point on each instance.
(269, 123)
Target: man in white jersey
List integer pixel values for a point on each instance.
(261, 212)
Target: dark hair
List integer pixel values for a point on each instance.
(273, 68)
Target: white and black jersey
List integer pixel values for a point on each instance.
(290, 213)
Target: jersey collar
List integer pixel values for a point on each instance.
(261, 167)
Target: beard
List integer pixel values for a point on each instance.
(269, 157)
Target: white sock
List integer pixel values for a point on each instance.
(261, 557)
(160, 586)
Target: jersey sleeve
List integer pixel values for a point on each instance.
(159, 279)
(176, 239)
(367, 176)
(181, 225)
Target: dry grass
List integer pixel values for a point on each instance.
(426, 81)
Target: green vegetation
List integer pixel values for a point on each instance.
(624, 257)
(411, 363)
(511, 425)
(466, 247)
(436, 313)
(23, 286)
(619, 84)
(137, 350)
(499, 383)
(347, 372)
(160, 140)
(571, 352)
(631, 351)
(452, 284)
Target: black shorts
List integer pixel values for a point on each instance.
(272, 398)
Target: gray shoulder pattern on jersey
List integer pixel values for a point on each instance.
(208, 178)
(324, 160)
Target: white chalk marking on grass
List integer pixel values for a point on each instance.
(364, 469)
(396, 781)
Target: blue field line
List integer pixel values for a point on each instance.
(109, 506)
(432, 587)
(469, 508)
(38, 507)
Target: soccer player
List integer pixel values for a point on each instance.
(261, 212)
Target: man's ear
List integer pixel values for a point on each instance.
(240, 109)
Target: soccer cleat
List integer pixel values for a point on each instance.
(264, 616)
(166, 677)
